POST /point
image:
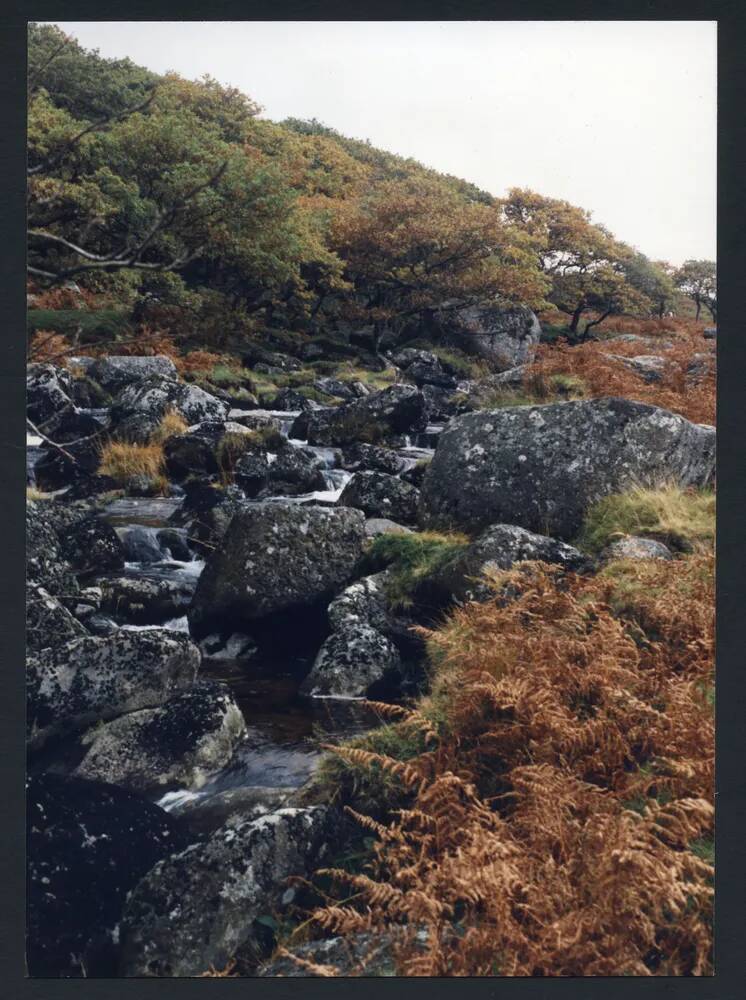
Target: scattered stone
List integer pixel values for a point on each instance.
(396, 410)
(236, 646)
(48, 623)
(649, 367)
(632, 547)
(145, 601)
(114, 372)
(251, 472)
(371, 457)
(139, 407)
(351, 661)
(376, 526)
(541, 467)
(710, 333)
(295, 471)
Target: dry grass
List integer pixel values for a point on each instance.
(122, 461)
(171, 424)
(691, 396)
(560, 822)
(682, 519)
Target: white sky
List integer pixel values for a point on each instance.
(618, 117)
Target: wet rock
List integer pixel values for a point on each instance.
(541, 467)
(73, 685)
(371, 457)
(498, 548)
(396, 410)
(145, 601)
(275, 557)
(113, 373)
(182, 742)
(295, 471)
(139, 407)
(169, 930)
(376, 526)
(378, 494)
(351, 661)
(251, 472)
(48, 399)
(100, 625)
(48, 623)
(88, 845)
(504, 336)
(231, 807)
(175, 544)
(632, 547)
(208, 511)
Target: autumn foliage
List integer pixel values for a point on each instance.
(560, 818)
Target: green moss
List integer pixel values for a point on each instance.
(683, 519)
(411, 558)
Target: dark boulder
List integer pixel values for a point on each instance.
(45, 564)
(182, 742)
(395, 410)
(88, 845)
(196, 909)
(541, 467)
(291, 401)
(71, 686)
(275, 557)
(500, 547)
(295, 471)
(251, 472)
(378, 494)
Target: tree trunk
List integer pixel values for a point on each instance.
(594, 322)
(576, 317)
(712, 308)
(699, 306)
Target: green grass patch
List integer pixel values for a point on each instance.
(94, 325)
(411, 558)
(682, 519)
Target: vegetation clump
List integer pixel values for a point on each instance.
(684, 519)
(560, 822)
(411, 558)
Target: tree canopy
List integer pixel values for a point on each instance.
(176, 197)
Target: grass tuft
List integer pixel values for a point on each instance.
(684, 519)
(411, 558)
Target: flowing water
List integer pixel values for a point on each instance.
(285, 730)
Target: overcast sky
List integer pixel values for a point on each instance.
(618, 117)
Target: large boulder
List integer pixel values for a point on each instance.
(88, 846)
(276, 557)
(504, 336)
(71, 686)
(181, 742)
(139, 407)
(113, 373)
(196, 909)
(541, 467)
(351, 662)
(295, 471)
(395, 410)
(369, 456)
(378, 494)
(501, 546)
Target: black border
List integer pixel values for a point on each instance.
(730, 941)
